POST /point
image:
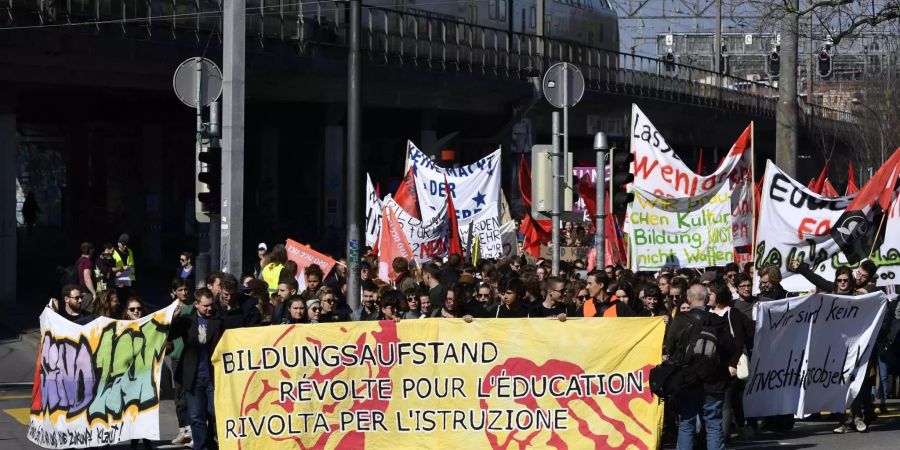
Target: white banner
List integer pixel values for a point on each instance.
(659, 170)
(98, 384)
(474, 188)
(888, 256)
(428, 239)
(487, 227)
(795, 224)
(811, 353)
(681, 232)
(508, 238)
(373, 213)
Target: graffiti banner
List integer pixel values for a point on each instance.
(98, 384)
(810, 353)
(474, 187)
(440, 383)
(659, 170)
(795, 224)
(681, 232)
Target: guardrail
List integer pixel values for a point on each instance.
(420, 39)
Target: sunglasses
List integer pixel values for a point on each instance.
(328, 301)
(843, 280)
(136, 309)
(182, 259)
(78, 297)
(315, 309)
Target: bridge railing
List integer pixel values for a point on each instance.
(423, 39)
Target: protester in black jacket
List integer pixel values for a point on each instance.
(770, 283)
(706, 394)
(200, 331)
(236, 309)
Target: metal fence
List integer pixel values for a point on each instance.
(404, 38)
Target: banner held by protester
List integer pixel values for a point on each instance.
(440, 383)
(811, 353)
(98, 384)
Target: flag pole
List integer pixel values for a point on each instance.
(753, 189)
(878, 233)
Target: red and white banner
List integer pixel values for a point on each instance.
(658, 170)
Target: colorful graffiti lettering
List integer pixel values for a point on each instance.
(105, 380)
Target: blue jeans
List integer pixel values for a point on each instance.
(202, 414)
(692, 404)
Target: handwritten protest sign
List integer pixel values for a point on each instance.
(659, 170)
(304, 255)
(811, 353)
(97, 384)
(681, 232)
(432, 384)
(373, 214)
(795, 223)
(887, 257)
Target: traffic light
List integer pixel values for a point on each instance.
(669, 60)
(619, 177)
(723, 60)
(773, 61)
(209, 177)
(825, 63)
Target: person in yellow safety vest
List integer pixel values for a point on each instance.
(272, 271)
(124, 258)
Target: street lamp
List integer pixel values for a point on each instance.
(857, 102)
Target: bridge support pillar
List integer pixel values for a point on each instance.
(9, 145)
(333, 181)
(152, 156)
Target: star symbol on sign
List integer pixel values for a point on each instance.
(479, 199)
(491, 172)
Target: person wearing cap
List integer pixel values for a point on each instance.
(124, 258)
(313, 310)
(261, 252)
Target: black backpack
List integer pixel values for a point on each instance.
(667, 379)
(694, 361)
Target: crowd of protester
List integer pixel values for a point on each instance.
(517, 287)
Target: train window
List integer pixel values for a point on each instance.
(523, 20)
(501, 13)
(533, 17)
(492, 9)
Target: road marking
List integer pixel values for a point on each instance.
(14, 397)
(23, 415)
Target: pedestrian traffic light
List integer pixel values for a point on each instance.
(825, 63)
(209, 177)
(773, 61)
(620, 176)
(669, 60)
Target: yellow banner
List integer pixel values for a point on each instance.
(440, 383)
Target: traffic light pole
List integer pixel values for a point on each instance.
(232, 206)
(202, 259)
(555, 204)
(600, 239)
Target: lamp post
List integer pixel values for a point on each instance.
(857, 102)
(601, 146)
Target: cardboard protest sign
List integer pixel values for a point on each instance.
(681, 232)
(508, 239)
(98, 384)
(811, 353)
(433, 384)
(487, 228)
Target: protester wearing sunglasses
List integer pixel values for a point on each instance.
(134, 309)
(70, 309)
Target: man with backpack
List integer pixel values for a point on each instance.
(700, 344)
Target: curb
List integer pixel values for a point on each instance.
(19, 384)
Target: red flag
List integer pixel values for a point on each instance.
(536, 231)
(614, 244)
(852, 230)
(455, 243)
(828, 189)
(393, 244)
(407, 197)
(852, 188)
(700, 163)
(820, 182)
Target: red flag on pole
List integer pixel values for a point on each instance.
(614, 245)
(536, 232)
(852, 188)
(407, 197)
(455, 243)
(828, 189)
(393, 244)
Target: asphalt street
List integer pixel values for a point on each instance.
(17, 362)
